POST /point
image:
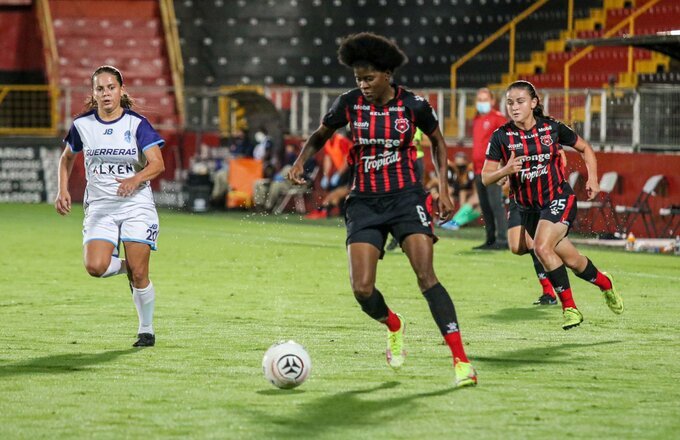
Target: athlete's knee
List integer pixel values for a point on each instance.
(543, 250)
(516, 249)
(362, 288)
(96, 268)
(140, 277)
(426, 279)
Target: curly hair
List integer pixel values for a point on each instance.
(126, 100)
(369, 49)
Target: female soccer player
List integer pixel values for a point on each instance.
(386, 195)
(122, 153)
(529, 146)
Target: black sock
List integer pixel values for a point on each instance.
(374, 305)
(589, 273)
(538, 266)
(559, 279)
(441, 306)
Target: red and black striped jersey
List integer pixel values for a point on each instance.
(383, 154)
(541, 178)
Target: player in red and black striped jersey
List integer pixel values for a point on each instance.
(529, 147)
(386, 194)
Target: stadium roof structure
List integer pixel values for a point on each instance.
(667, 43)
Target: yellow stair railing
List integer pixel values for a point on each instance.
(508, 27)
(174, 55)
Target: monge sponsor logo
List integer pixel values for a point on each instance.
(388, 143)
(379, 161)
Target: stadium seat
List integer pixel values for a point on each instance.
(672, 225)
(641, 207)
(602, 205)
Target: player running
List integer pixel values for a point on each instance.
(386, 194)
(122, 154)
(529, 146)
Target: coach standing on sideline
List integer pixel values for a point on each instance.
(488, 119)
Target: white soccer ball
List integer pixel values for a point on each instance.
(286, 364)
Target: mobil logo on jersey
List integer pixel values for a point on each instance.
(401, 125)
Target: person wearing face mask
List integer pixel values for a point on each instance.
(488, 119)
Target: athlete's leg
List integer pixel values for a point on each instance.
(143, 292)
(99, 260)
(548, 235)
(419, 249)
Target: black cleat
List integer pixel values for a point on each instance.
(392, 245)
(545, 300)
(145, 340)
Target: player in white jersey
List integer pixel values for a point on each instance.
(122, 154)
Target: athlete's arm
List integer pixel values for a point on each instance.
(154, 167)
(492, 171)
(311, 147)
(592, 185)
(63, 201)
(445, 204)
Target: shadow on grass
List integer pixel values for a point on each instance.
(61, 363)
(558, 354)
(521, 314)
(347, 409)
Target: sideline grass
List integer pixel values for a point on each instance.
(231, 285)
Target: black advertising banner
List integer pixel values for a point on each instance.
(22, 174)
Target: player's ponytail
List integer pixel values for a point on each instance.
(126, 100)
(531, 90)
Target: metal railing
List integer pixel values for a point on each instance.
(643, 118)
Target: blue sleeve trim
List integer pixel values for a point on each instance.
(160, 143)
(151, 244)
(102, 239)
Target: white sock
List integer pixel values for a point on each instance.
(116, 267)
(144, 300)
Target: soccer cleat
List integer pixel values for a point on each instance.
(395, 346)
(465, 375)
(572, 318)
(545, 300)
(392, 245)
(145, 340)
(317, 215)
(612, 297)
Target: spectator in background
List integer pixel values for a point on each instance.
(461, 177)
(336, 174)
(268, 191)
(488, 119)
(240, 146)
(263, 151)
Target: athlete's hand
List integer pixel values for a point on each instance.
(295, 174)
(503, 181)
(127, 186)
(63, 202)
(513, 166)
(592, 189)
(445, 207)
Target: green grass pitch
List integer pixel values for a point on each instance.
(231, 285)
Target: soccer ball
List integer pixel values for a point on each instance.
(286, 364)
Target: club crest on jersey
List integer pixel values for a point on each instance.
(401, 125)
(128, 136)
(546, 140)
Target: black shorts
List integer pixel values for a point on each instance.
(561, 209)
(514, 215)
(370, 218)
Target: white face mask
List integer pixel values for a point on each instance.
(483, 107)
(259, 137)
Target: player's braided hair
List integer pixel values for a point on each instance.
(526, 85)
(125, 101)
(369, 49)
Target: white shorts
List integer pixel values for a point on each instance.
(139, 225)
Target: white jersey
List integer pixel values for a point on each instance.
(113, 149)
